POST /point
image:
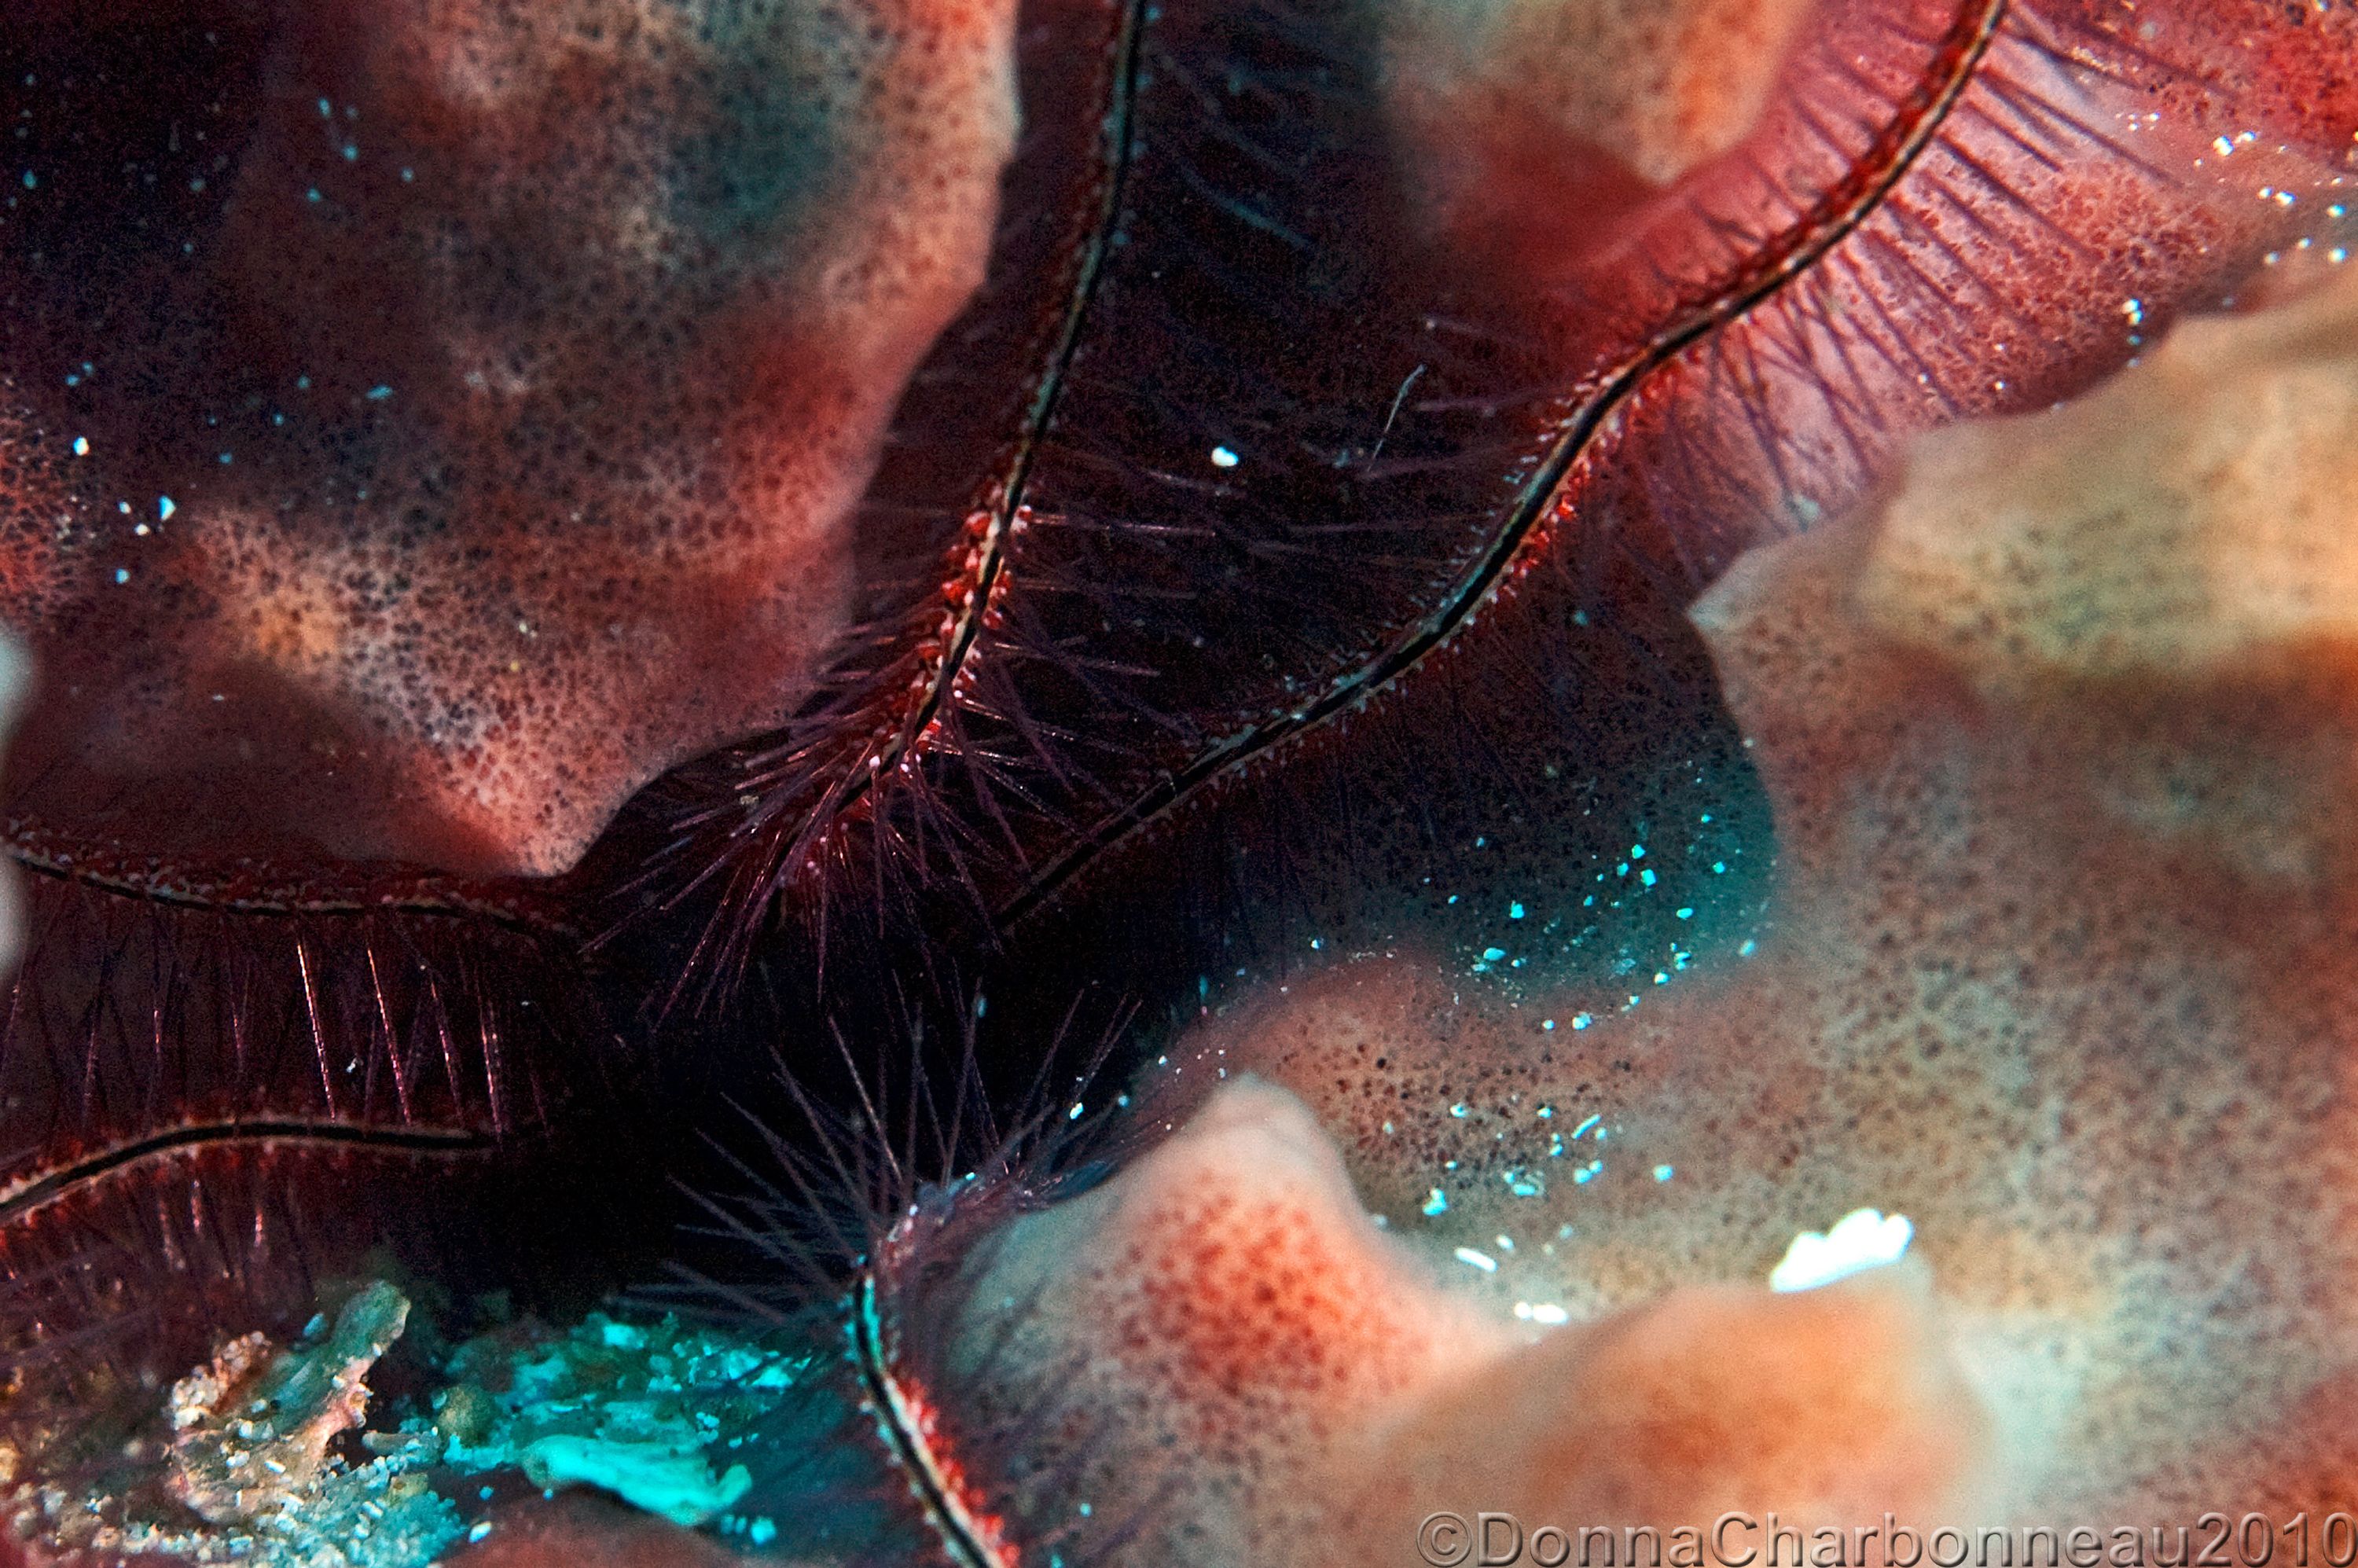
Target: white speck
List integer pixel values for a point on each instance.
(1861, 1239)
(165, 507)
(81, 446)
(1436, 1202)
(122, 574)
(1665, 1173)
(1547, 1313)
(1472, 1259)
(2135, 310)
(1074, 1114)
(480, 1531)
(1222, 458)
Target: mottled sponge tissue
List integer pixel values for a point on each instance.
(473, 423)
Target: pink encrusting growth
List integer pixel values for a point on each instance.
(474, 428)
(1506, 108)
(2058, 738)
(1223, 1358)
(1201, 1342)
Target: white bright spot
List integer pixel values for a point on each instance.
(1861, 1240)
(1472, 1259)
(81, 446)
(1547, 1313)
(1223, 459)
(165, 507)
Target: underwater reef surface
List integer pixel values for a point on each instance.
(2056, 966)
(1073, 783)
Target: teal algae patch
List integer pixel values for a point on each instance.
(266, 1455)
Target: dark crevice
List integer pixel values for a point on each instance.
(1836, 216)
